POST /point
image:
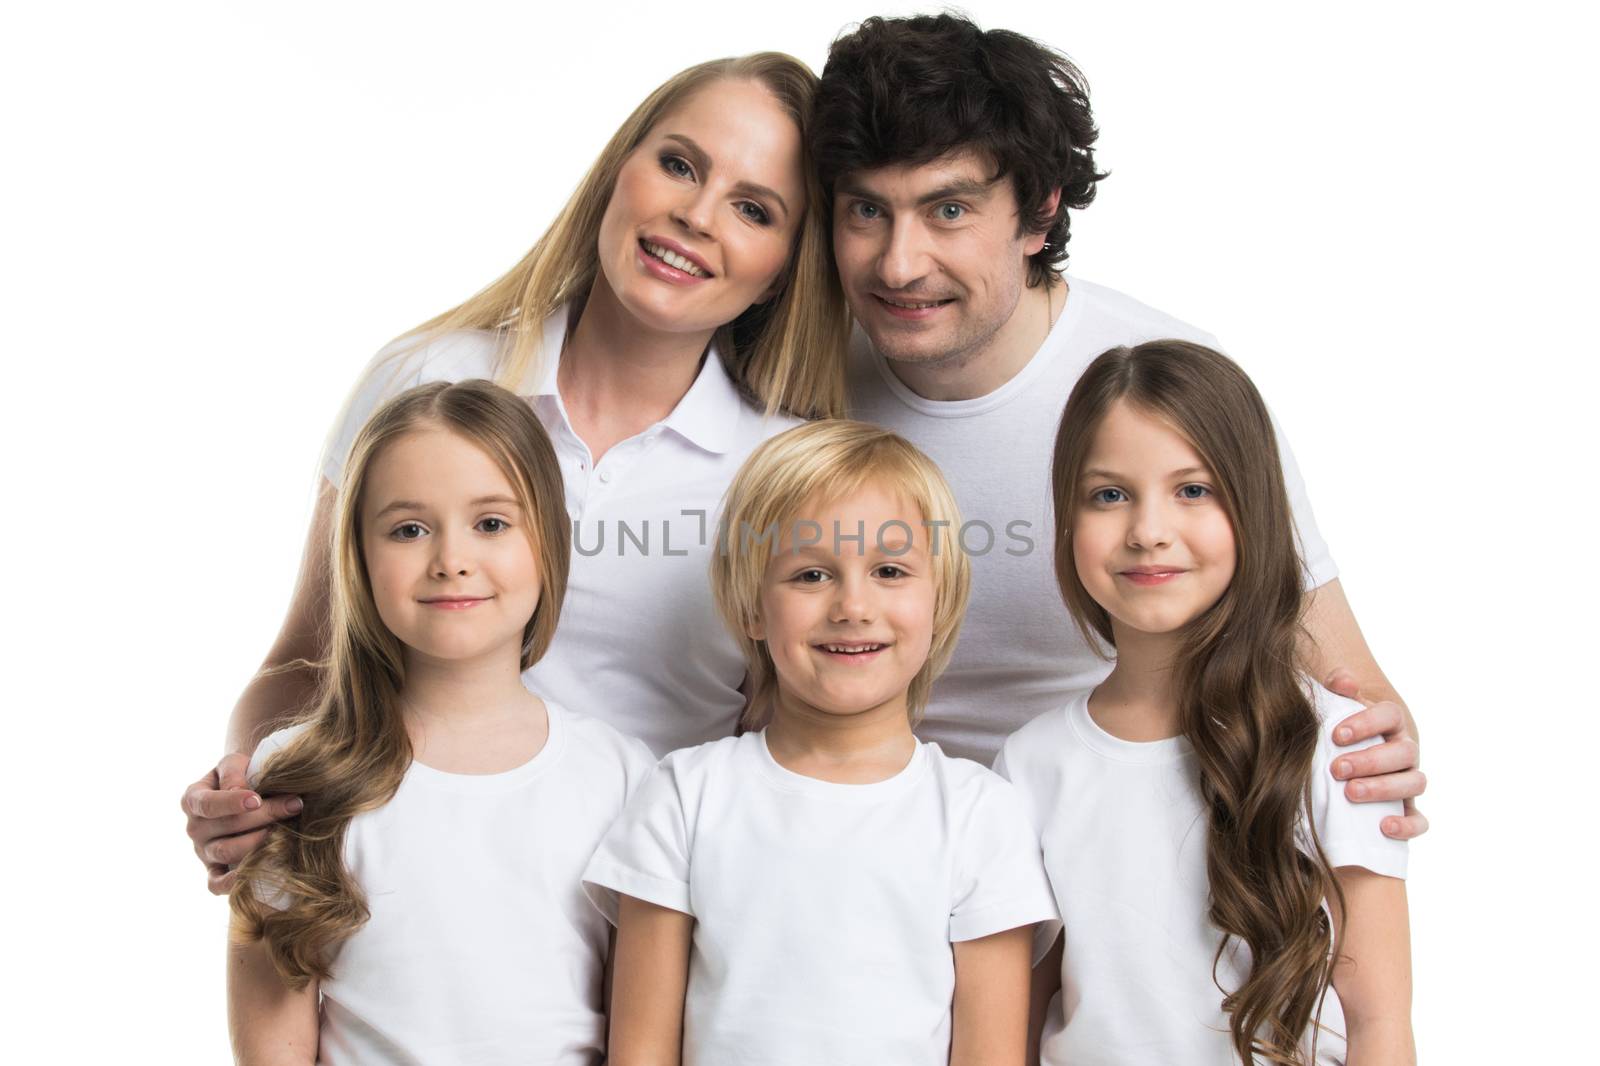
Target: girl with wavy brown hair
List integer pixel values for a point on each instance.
(427, 892)
(1222, 900)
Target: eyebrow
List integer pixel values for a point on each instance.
(1112, 475)
(966, 189)
(413, 505)
(700, 159)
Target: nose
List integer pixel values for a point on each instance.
(853, 600)
(450, 556)
(696, 210)
(1151, 527)
(905, 257)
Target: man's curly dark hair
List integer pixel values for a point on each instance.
(900, 91)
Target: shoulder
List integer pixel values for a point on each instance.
(1037, 743)
(455, 356)
(1126, 316)
(603, 742)
(707, 760)
(1330, 709)
(270, 746)
(969, 787)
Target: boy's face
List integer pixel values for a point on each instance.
(930, 257)
(847, 604)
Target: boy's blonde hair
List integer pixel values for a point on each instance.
(826, 461)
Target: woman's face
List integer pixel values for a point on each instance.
(705, 210)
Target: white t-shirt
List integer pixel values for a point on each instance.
(481, 948)
(824, 913)
(1019, 653)
(639, 640)
(1124, 835)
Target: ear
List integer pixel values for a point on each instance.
(1036, 241)
(755, 629)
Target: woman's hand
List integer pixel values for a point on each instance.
(227, 821)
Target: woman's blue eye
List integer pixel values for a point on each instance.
(754, 212)
(1108, 496)
(677, 166)
(407, 531)
(1194, 492)
(493, 525)
(950, 212)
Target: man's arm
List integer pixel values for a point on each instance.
(1336, 653)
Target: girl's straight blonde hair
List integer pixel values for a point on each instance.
(785, 354)
(815, 464)
(294, 892)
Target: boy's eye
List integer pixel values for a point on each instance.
(493, 525)
(1194, 492)
(408, 531)
(810, 577)
(889, 570)
(1108, 495)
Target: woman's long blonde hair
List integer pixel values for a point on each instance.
(294, 892)
(786, 353)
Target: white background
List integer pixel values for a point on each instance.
(215, 213)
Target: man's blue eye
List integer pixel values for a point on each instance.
(865, 210)
(951, 212)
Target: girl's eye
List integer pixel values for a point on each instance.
(1194, 492)
(891, 571)
(492, 525)
(810, 577)
(754, 212)
(950, 212)
(677, 166)
(408, 531)
(865, 211)
(1108, 495)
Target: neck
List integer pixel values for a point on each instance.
(857, 748)
(975, 372)
(1139, 701)
(463, 692)
(617, 376)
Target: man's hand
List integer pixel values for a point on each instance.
(1386, 771)
(227, 821)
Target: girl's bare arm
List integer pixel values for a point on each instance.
(268, 1023)
(1373, 972)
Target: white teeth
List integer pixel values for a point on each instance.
(673, 259)
(849, 649)
(909, 306)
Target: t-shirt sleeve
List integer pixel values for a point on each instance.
(266, 887)
(645, 854)
(1320, 567)
(1350, 832)
(1000, 881)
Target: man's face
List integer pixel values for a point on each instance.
(930, 257)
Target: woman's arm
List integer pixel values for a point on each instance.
(989, 1018)
(649, 978)
(1043, 988)
(1373, 972)
(227, 821)
(268, 1024)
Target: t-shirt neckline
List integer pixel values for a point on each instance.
(786, 779)
(1167, 750)
(506, 780)
(1049, 349)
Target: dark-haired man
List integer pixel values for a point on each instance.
(952, 156)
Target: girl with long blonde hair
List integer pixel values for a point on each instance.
(1223, 901)
(682, 308)
(427, 893)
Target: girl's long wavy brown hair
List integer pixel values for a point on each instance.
(1244, 705)
(294, 892)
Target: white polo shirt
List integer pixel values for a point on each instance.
(639, 645)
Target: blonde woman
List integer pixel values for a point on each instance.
(681, 309)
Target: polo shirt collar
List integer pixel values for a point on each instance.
(706, 417)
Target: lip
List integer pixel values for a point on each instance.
(856, 658)
(1151, 575)
(910, 314)
(672, 273)
(454, 603)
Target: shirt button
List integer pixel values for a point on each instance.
(605, 477)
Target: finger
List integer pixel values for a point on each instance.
(1402, 786)
(1388, 758)
(232, 770)
(231, 851)
(275, 809)
(205, 783)
(1384, 719)
(219, 879)
(1413, 825)
(1342, 682)
(201, 802)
